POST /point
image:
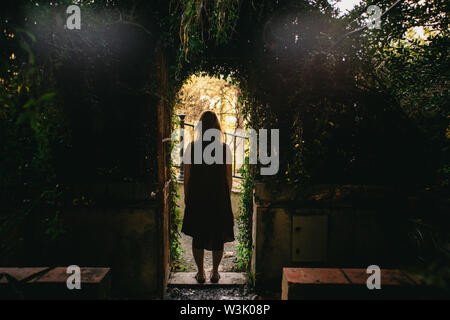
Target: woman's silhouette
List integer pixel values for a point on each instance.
(208, 217)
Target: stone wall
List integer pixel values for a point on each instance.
(117, 225)
(337, 226)
(125, 239)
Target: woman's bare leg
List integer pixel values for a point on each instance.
(217, 257)
(198, 257)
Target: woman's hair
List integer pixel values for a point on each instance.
(209, 120)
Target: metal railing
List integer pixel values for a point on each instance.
(234, 138)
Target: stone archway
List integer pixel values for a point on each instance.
(202, 92)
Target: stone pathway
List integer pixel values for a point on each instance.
(229, 254)
(212, 291)
(226, 279)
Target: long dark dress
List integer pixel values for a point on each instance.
(208, 217)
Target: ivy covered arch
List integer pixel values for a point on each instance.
(349, 106)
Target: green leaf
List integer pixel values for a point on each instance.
(27, 48)
(29, 103)
(46, 97)
(27, 33)
(23, 117)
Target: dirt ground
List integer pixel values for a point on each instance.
(227, 263)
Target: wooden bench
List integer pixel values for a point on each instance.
(50, 283)
(336, 283)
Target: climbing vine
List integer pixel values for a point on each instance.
(244, 220)
(203, 20)
(175, 220)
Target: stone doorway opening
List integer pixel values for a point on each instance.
(202, 92)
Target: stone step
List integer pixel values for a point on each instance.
(226, 279)
(95, 283)
(336, 283)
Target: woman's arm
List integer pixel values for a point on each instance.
(229, 168)
(187, 173)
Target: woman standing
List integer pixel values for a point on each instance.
(208, 217)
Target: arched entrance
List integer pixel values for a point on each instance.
(202, 92)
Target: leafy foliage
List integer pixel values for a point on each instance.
(32, 128)
(202, 21)
(244, 220)
(175, 223)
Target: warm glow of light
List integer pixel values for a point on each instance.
(201, 93)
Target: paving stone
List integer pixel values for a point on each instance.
(59, 274)
(95, 284)
(19, 273)
(389, 277)
(312, 283)
(314, 276)
(226, 279)
(335, 283)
